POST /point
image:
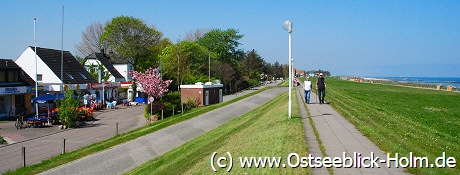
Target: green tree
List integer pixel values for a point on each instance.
(186, 62)
(131, 39)
(268, 70)
(145, 64)
(278, 70)
(224, 43)
(68, 109)
(253, 62)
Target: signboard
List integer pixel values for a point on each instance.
(40, 89)
(99, 85)
(13, 90)
(126, 84)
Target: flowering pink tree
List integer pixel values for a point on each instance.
(151, 82)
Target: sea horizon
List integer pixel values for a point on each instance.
(443, 81)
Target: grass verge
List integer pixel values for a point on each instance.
(402, 120)
(263, 132)
(121, 138)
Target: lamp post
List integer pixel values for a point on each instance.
(288, 27)
(209, 67)
(100, 79)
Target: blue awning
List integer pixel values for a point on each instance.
(44, 98)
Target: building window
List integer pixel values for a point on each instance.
(13, 76)
(39, 77)
(2, 76)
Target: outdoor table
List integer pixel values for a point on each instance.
(37, 121)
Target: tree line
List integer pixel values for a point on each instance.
(202, 56)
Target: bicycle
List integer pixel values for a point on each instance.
(20, 121)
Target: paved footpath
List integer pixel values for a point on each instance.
(129, 155)
(338, 136)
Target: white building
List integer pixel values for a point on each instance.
(96, 59)
(47, 65)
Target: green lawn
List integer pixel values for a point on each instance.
(265, 131)
(401, 119)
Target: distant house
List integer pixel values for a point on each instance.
(300, 73)
(96, 59)
(14, 85)
(119, 71)
(124, 70)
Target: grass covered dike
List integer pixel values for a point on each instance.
(401, 119)
(265, 131)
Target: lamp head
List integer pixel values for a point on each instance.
(287, 25)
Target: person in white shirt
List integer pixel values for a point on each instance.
(307, 89)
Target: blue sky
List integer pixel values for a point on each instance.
(363, 38)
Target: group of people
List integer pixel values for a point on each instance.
(320, 86)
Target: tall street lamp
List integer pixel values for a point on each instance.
(288, 27)
(100, 71)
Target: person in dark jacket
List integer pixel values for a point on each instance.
(321, 87)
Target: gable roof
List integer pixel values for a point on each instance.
(8, 64)
(73, 71)
(105, 61)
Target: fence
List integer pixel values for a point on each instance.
(34, 151)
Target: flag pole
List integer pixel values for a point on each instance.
(36, 74)
(62, 52)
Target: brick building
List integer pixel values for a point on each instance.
(204, 94)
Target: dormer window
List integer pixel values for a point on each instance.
(84, 77)
(70, 76)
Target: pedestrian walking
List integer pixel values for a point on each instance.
(321, 87)
(307, 87)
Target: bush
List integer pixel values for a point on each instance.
(171, 101)
(253, 82)
(157, 107)
(191, 103)
(68, 109)
(249, 83)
